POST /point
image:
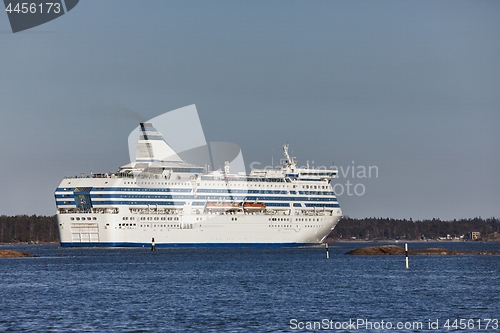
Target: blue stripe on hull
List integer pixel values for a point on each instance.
(188, 245)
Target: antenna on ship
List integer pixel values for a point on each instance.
(289, 160)
(272, 157)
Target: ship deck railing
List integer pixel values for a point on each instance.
(102, 175)
(154, 210)
(112, 210)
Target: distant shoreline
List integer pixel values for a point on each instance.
(329, 241)
(409, 241)
(24, 229)
(398, 250)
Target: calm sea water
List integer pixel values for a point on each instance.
(247, 290)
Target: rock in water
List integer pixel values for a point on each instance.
(384, 249)
(14, 254)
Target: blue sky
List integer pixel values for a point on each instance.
(409, 87)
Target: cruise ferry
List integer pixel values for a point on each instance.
(162, 201)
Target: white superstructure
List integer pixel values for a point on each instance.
(162, 199)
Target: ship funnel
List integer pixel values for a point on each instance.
(151, 146)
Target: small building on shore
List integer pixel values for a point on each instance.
(474, 235)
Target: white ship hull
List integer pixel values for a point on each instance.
(196, 230)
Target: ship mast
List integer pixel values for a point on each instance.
(289, 161)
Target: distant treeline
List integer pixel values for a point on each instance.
(43, 229)
(28, 229)
(385, 228)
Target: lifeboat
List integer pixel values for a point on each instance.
(254, 206)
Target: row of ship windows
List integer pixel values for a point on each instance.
(318, 187)
(266, 191)
(177, 225)
(232, 219)
(279, 219)
(147, 225)
(301, 219)
(83, 218)
(135, 189)
(198, 197)
(216, 197)
(245, 179)
(126, 218)
(159, 218)
(161, 226)
(278, 186)
(153, 183)
(317, 192)
(203, 197)
(273, 219)
(251, 198)
(191, 196)
(152, 196)
(163, 218)
(198, 184)
(230, 190)
(182, 203)
(290, 226)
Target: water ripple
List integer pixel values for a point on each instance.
(233, 290)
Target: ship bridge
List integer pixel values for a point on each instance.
(290, 171)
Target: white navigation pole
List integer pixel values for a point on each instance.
(406, 254)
